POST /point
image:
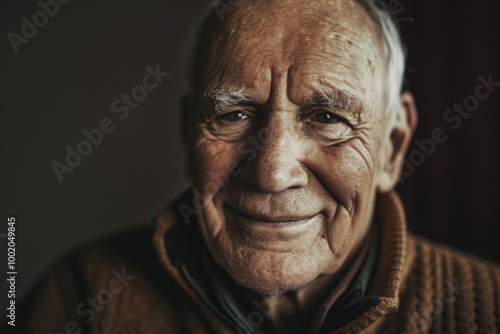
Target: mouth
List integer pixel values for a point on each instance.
(272, 219)
(295, 223)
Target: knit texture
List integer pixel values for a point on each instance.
(128, 284)
(446, 291)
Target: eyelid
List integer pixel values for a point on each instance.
(314, 112)
(246, 109)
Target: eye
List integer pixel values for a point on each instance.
(233, 116)
(235, 124)
(325, 117)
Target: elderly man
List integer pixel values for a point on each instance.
(297, 129)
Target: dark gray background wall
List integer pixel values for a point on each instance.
(62, 82)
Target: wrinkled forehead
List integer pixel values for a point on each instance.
(296, 23)
(256, 33)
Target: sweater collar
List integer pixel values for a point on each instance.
(178, 242)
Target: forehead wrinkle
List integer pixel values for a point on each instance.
(354, 65)
(253, 19)
(344, 79)
(236, 74)
(337, 36)
(286, 25)
(346, 39)
(240, 73)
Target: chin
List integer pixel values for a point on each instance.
(268, 260)
(271, 273)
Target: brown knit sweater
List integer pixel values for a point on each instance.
(128, 284)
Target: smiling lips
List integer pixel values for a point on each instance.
(275, 220)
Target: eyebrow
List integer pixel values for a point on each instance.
(223, 98)
(334, 99)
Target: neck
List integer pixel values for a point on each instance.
(292, 309)
(289, 311)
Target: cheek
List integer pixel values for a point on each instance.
(214, 163)
(345, 171)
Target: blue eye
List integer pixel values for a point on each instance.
(325, 117)
(234, 116)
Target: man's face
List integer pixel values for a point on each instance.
(290, 141)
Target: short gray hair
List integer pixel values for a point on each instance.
(394, 51)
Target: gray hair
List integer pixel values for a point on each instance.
(394, 51)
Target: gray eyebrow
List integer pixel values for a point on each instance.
(335, 99)
(223, 98)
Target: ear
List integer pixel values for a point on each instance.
(395, 147)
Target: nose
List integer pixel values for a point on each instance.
(277, 164)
